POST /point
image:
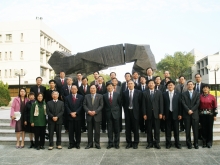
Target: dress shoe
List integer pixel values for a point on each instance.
(157, 146)
(59, 147)
(149, 146)
(117, 147)
(162, 130)
(178, 146)
(70, 147)
(189, 146)
(135, 146)
(168, 146)
(83, 130)
(98, 147)
(204, 145)
(78, 147)
(209, 146)
(109, 146)
(103, 131)
(128, 146)
(88, 147)
(38, 148)
(196, 146)
(42, 147)
(50, 148)
(181, 130)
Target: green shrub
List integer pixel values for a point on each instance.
(4, 94)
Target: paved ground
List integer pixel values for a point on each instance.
(10, 155)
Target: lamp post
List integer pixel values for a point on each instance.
(214, 70)
(19, 74)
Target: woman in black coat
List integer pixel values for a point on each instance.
(27, 123)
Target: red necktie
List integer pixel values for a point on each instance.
(74, 98)
(62, 82)
(110, 98)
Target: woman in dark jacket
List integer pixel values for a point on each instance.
(27, 123)
(38, 121)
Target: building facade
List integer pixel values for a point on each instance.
(25, 48)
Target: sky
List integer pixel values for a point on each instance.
(166, 25)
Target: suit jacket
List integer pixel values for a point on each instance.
(119, 82)
(190, 104)
(59, 85)
(153, 78)
(55, 110)
(176, 105)
(70, 106)
(139, 87)
(77, 84)
(65, 92)
(48, 96)
(136, 103)
(35, 90)
(81, 91)
(118, 90)
(201, 86)
(97, 107)
(178, 88)
(161, 88)
(93, 83)
(152, 106)
(124, 88)
(102, 91)
(113, 108)
(163, 82)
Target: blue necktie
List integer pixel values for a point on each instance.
(190, 94)
(197, 88)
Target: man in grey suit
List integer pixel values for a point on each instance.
(112, 104)
(55, 109)
(93, 104)
(190, 101)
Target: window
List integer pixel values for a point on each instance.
(41, 58)
(21, 55)
(22, 72)
(6, 56)
(42, 72)
(0, 38)
(10, 72)
(10, 56)
(8, 37)
(21, 36)
(6, 73)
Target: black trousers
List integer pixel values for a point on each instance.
(54, 127)
(141, 122)
(120, 119)
(74, 132)
(96, 126)
(103, 119)
(169, 124)
(39, 132)
(207, 128)
(65, 119)
(194, 123)
(82, 119)
(131, 125)
(153, 123)
(113, 126)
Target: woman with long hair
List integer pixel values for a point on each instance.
(18, 106)
(38, 120)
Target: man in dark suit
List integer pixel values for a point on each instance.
(124, 85)
(131, 104)
(73, 106)
(83, 90)
(78, 82)
(152, 104)
(112, 76)
(101, 89)
(149, 72)
(166, 74)
(172, 114)
(198, 85)
(66, 91)
(142, 87)
(112, 105)
(190, 101)
(135, 77)
(48, 93)
(55, 109)
(38, 87)
(96, 76)
(61, 81)
(181, 88)
(93, 104)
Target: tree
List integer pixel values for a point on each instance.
(4, 94)
(178, 64)
(105, 76)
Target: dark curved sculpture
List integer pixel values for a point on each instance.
(102, 58)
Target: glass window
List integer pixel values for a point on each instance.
(8, 37)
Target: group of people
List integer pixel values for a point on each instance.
(149, 103)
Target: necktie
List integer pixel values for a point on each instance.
(96, 82)
(115, 89)
(84, 89)
(62, 81)
(190, 94)
(181, 88)
(74, 98)
(143, 88)
(197, 88)
(110, 98)
(92, 99)
(130, 100)
(69, 89)
(38, 90)
(152, 95)
(171, 99)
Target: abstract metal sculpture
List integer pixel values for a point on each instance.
(103, 58)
